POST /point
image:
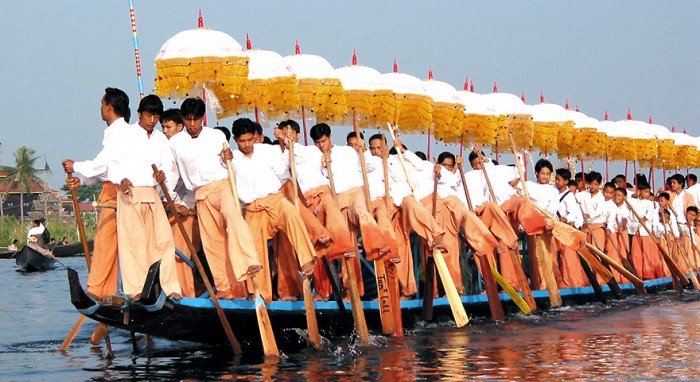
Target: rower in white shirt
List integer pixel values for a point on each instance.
(344, 162)
(143, 232)
(104, 272)
(226, 238)
(645, 256)
(617, 237)
(592, 204)
(258, 168)
(572, 272)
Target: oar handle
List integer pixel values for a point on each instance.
(81, 225)
(224, 321)
(466, 188)
(403, 163)
(519, 165)
(293, 172)
(486, 173)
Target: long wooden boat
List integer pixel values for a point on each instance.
(30, 259)
(195, 319)
(8, 254)
(71, 249)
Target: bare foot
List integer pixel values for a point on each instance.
(253, 269)
(175, 296)
(324, 241)
(395, 260)
(349, 255)
(308, 268)
(384, 250)
(224, 295)
(288, 298)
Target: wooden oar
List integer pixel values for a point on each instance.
(391, 271)
(310, 309)
(235, 346)
(612, 283)
(638, 284)
(676, 282)
(386, 306)
(266, 334)
(684, 254)
(86, 249)
(529, 300)
(358, 312)
(543, 259)
(458, 311)
(667, 258)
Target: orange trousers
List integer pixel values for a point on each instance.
(383, 217)
(537, 278)
(646, 258)
(357, 215)
(226, 238)
(572, 274)
(612, 244)
(495, 219)
(320, 201)
(288, 280)
(185, 273)
(144, 236)
(405, 267)
(271, 214)
(104, 273)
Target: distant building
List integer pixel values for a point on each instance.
(33, 201)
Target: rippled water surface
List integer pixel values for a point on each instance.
(652, 338)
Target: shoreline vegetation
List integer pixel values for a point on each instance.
(11, 228)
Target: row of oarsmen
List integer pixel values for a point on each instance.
(319, 215)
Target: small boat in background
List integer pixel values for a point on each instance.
(32, 258)
(71, 249)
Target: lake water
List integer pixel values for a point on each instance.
(652, 338)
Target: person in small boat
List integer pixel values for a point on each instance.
(226, 238)
(64, 241)
(347, 179)
(172, 123)
(14, 246)
(114, 109)
(143, 231)
(321, 215)
(36, 234)
(258, 168)
(568, 212)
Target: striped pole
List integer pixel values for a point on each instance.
(137, 54)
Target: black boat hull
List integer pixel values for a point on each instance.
(194, 319)
(29, 259)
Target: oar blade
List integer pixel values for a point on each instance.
(310, 309)
(514, 295)
(458, 311)
(266, 335)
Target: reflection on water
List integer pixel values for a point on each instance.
(655, 337)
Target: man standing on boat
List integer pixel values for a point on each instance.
(143, 230)
(172, 123)
(314, 187)
(226, 238)
(258, 168)
(344, 163)
(114, 109)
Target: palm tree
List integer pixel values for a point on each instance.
(23, 175)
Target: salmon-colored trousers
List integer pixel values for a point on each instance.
(668, 241)
(357, 215)
(614, 243)
(646, 258)
(405, 267)
(104, 273)
(144, 236)
(572, 274)
(537, 278)
(383, 217)
(320, 201)
(495, 219)
(288, 280)
(271, 214)
(228, 244)
(185, 273)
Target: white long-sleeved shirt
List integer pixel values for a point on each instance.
(308, 163)
(593, 205)
(345, 164)
(500, 177)
(93, 171)
(678, 205)
(259, 175)
(647, 211)
(617, 215)
(569, 209)
(199, 159)
(398, 183)
(545, 196)
(422, 174)
(694, 191)
(375, 176)
(476, 186)
(135, 159)
(449, 183)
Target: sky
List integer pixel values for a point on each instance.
(58, 57)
